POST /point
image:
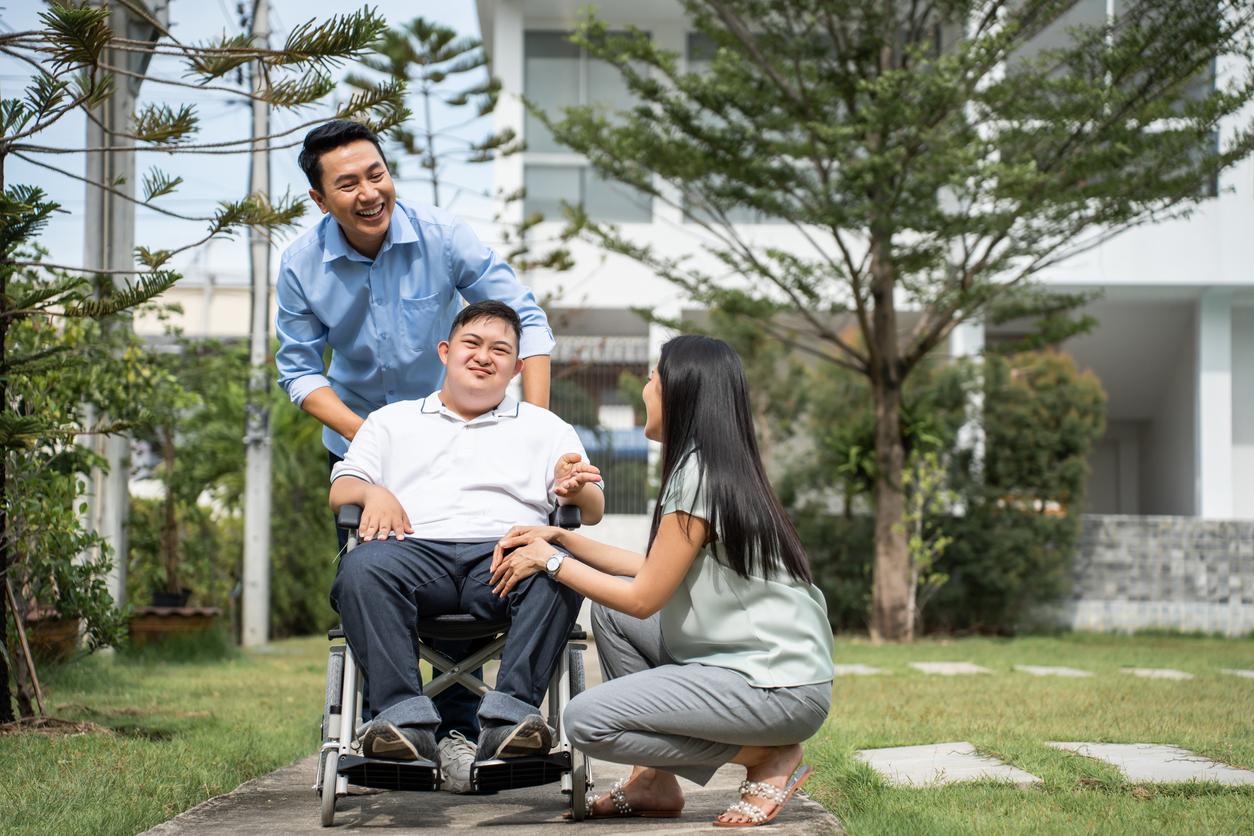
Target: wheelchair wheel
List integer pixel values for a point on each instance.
(576, 671)
(578, 760)
(335, 688)
(330, 760)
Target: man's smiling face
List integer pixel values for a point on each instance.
(482, 358)
(359, 193)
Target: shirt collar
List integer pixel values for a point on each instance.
(507, 408)
(400, 231)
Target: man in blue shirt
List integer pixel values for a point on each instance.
(379, 280)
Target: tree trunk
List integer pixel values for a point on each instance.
(890, 607)
(170, 523)
(6, 696)
(890, 579)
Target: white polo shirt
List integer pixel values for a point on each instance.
(463, 481)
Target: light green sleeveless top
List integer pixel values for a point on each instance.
(773, 632)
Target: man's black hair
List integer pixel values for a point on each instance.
(326, 138)
(489, 309)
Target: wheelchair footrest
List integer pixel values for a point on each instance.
(390, 775)
(515, 773)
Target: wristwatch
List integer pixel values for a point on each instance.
(554, 563)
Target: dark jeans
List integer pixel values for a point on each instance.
(457, 704)
(384, 585)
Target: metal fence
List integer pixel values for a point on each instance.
(588, 392)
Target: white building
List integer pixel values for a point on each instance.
(1175, 345)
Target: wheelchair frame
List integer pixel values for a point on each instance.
(340, 761)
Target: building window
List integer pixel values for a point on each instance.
(558, 74)
(548, 185)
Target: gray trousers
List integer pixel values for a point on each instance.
(686, 719)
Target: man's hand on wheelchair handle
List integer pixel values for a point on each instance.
(382, 514)
(508, 570)
(571, 473)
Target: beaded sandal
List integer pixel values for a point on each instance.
(622, 809)
(766, 792)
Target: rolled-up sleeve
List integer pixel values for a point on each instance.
(302, 339)
(480, 273)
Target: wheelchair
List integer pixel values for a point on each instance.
(340, 761)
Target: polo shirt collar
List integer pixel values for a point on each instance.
(400, 231)
(507, 408)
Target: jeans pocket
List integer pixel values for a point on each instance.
(419, 322)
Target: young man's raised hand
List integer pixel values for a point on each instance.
(571, 473)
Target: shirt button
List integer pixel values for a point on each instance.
(386, 367)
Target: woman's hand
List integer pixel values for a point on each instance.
(522, 535)
(520, 564)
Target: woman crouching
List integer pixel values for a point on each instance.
(715, 648)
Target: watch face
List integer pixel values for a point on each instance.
(554, 562)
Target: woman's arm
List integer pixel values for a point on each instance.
(608, 559)
(678, 541)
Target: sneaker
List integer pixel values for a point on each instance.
(387, 741)
(456, 756)
(532, 736)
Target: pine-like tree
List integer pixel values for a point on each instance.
(77, 59)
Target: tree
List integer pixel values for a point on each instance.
(430, 58)
(75, 61)
(926, 158)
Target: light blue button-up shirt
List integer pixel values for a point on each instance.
(384, 318)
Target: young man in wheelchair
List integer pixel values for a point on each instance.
(440, 480)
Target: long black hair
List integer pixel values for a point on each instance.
(706, 413)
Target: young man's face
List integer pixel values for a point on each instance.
(358, 192)
(482, 358)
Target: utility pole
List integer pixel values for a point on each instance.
(256, 609)
(109, 244)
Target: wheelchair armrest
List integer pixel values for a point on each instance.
(566, 516)
(349, 517)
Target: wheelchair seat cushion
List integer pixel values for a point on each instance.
(460, 627)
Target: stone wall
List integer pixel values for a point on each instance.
(1183, 573)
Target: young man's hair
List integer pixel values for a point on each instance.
(489, 309)
(326, 138)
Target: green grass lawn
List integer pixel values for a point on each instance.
(1010, 714)
(183, 732)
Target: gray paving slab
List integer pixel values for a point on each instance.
(1038, 670)
(284, 802)
(1158, 673)
(1159, 763)
(940, 763)
(857, 670)
(1231, 672)
(949, 668)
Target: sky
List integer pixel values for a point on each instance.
(209, 179)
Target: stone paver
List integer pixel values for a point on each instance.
(940, 763)
(1158, 673)
(949, 668)
(857, 670)
(1037, 670)
(1249, 674)
(1158, 763)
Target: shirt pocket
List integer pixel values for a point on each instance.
(419, 322)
